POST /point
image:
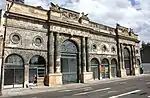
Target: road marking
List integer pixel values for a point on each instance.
(98, 90)
(67, 90)
(123, 83)
(88, 88)
(148, 83)
(148, 96)
(112, 92)
(125, 94)
(84, 89)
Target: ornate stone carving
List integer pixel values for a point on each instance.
(70, 15)
(15, 38)
(38, 40)
(55, 7)
(84, 16)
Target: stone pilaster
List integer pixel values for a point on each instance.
(55, 76)
(88, 67)
(26, 76)
(110, 75)
(85, 76)
(83, 55)
(122, 66)
(132, 60)
(51, 52)
(57, 54)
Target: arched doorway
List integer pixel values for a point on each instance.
(14, 71)
(95, 68)
(105, 68)
(113, 68)
(127, 61)
(69, 62)
(36, 67)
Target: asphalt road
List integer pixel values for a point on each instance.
(132, 88)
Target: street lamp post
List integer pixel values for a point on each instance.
(6, 14)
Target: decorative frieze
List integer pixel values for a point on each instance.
(26, 25)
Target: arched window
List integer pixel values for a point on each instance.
(14, 61)
(105, 68)
(104, 48)
(68, 47)
(37, 67)
(95, 68)
(36, 60)
(127, 61)
(113, 68)
(113, 49)
(14, 70)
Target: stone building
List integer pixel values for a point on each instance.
(61, 46)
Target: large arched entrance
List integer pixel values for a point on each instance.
(14, 71)
(127, 61)
(105, 68)
(95, 68)
(36, 67)
(69, 62)
(113, 68)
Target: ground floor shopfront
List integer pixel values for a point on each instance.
(19, 74)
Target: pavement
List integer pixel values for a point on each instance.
(100, 88)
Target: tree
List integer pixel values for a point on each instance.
(143, 44)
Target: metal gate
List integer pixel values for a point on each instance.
(69, 69)
(69, 62)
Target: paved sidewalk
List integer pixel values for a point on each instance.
(34, 90)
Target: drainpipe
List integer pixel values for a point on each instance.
(6, 14)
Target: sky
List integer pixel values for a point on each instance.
(130, 13)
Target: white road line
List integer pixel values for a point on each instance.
(67, 90)
(112, 92)
(148, 96)
(148, 83)
(125, 94)
(98, 90)
(123, 83)
(84, 89)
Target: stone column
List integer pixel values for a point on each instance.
(57, 53)
(85, 75)
(88, 67)
(83, 55)
(26, 76)
(132, 60)
(122, 66)
(51, 52)
(55, 77)
(122, 56)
